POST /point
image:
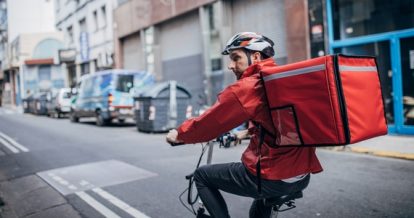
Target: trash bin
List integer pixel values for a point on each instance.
(161, 107)
(26, 104)
(39, 103)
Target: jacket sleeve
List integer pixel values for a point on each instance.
(226, 114)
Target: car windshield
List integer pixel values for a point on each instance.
(66, 95)
(125, 83)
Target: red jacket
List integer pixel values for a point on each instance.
(245, 100)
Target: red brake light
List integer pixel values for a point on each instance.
(110, 99)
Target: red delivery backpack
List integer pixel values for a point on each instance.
(330, 100)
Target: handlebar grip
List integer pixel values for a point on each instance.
(187, 177)
(176, 144)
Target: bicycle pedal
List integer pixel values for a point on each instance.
(289, 205)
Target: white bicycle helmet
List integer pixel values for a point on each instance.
(250, 41)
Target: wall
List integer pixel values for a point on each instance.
(29, 16)
(181, 52)
(135, 15)
(297, 30)
(100, 33)
(266, 17)
(25, 45)
(132, 53)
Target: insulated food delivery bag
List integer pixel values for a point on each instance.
(330, 100)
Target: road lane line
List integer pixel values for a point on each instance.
(96, 205)
(12, 141)
(9, 146)
(119, 203)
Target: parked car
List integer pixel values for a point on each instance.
(108, 95)
(60, 103)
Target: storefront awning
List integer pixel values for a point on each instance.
(39, 61)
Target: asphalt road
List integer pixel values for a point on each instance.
(85, 159)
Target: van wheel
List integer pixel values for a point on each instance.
(100, 120)
(73, 118)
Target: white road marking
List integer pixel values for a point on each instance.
(9, 146)
(64, 182)
(96, 205)
(117, 202)
(57, 178)
(84, 183)
(12, 141)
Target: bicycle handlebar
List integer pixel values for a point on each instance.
(224, 140)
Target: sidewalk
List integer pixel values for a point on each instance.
(394, 146)
(9, 109)
(31, 197)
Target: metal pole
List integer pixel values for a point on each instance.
(210, 152)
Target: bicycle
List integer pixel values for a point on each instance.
(278, 204)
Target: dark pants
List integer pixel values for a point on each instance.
(234, 178)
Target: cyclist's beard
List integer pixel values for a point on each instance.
(238, 74)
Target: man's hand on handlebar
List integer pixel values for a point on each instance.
(172, 138)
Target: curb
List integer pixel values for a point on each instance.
(380, 153)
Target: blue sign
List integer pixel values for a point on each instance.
(84, 46)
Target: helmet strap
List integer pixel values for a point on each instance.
(249, 59)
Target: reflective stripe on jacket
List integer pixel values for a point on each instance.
(242, 101)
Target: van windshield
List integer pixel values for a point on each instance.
(125, 83)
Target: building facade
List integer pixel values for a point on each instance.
(88, 36)
(19, 42)
(34, 66)
(3, 41)
(182, 40)
(384, 29)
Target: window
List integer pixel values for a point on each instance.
(357, 18)
(316, 27)
(216, 64)
(70, 34)
(66, 95)
(95, 20)
(381, 50)
(85, 68)
(211, 17)
(82, 25)
(88, 87)
(103, 12)
(44, 73)
(125, 83)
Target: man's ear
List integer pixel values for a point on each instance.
(256, 57)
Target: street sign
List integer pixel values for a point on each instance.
(84, 46)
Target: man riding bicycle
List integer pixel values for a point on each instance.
(282, 170)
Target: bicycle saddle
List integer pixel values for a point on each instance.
(282, 199)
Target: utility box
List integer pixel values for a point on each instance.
(162, 107)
